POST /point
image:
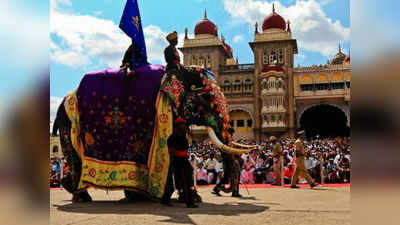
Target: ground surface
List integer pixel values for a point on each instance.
(323, 205)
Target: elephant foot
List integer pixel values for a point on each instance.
(81, 197)
(131, 196)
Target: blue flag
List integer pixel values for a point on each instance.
(131, 24)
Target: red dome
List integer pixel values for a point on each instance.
(274, 20)
(205, 26)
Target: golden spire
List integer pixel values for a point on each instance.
(205, 14)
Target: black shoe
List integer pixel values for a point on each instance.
(192, 206)
(294, 186)
(313, 185)
(216, 193)
(197, 198)
(237, 195)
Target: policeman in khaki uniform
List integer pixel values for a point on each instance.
(276, 154)
(300, 166)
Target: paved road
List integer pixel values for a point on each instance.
(324, 205)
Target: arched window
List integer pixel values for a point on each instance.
(237, 85)
(249, 123)
(208, 61)
(264, 84)
(248, 85)
(265, 58)
(226, 86)
(281, 56)
(55, 149)
(281, 83)
(273, 59)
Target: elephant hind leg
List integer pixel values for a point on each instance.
(72, 174)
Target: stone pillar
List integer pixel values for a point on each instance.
(290, 94)
(257, 92)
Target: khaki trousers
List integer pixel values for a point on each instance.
(301, 171)
(277, 171)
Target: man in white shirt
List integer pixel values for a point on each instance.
(211, 164)
(309, 162)
(220, 169)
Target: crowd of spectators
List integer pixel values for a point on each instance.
(257, 166)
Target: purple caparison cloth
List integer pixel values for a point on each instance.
(117, 114)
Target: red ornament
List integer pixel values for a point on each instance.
(92, 172)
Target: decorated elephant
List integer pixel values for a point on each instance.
(113, 129)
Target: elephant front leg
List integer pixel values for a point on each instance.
(81, 197)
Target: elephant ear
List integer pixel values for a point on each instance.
(174, 89)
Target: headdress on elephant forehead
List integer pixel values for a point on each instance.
(172, 36)
(179, 121)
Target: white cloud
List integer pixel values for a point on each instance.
(80, 40)
(70, 58)
(238, 38)
(313, 29)
(54, 104)
(155, 43)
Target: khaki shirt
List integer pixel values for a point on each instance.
(299, 149)
(277, 151)
(300, 154)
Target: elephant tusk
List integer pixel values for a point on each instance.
(223, 147)
(245, 146)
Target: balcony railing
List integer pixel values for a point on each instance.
(241, 67)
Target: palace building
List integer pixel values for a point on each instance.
(272, 96)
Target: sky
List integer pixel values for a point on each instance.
(84, 35)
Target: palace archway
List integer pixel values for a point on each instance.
(325, 120)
